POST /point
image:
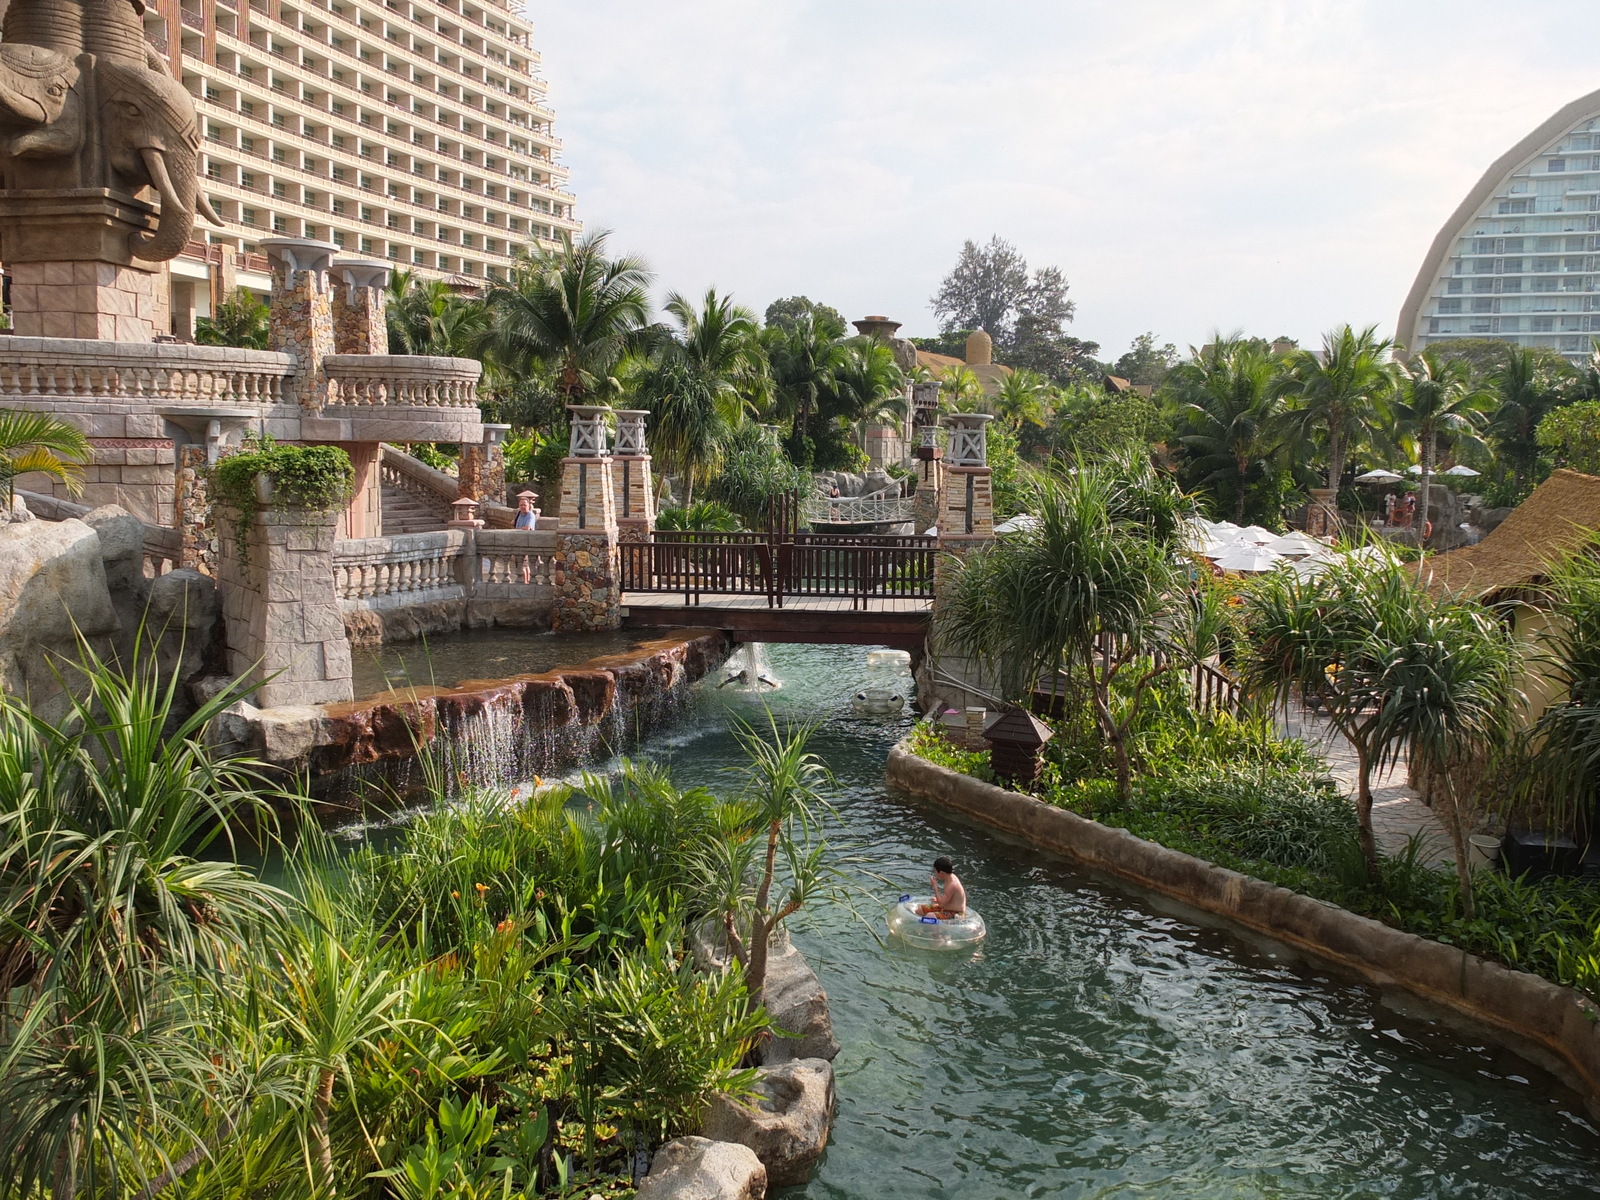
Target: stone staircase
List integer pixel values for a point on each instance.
(417, 498)
(406, 512)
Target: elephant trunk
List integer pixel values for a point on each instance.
(176, 222)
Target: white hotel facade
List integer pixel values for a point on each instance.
(409, 130)
(1519, 260)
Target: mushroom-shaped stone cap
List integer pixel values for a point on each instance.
(464, 503)
(527, 495)
(980, 349)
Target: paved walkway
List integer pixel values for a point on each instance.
(1397, 813)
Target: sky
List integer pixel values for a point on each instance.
(1191, 165)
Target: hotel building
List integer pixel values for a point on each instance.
(1519, 260)
(413, 131)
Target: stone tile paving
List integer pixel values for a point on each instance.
(1397, 812)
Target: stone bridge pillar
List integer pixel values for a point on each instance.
(301, 320)
(966, 501)
(587, 564)
(284, 628)
(930, 475)
(636, 494)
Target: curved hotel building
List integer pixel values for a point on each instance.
(1519, 260)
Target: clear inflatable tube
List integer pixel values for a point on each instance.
(934, 933)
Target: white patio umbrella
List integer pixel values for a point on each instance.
(1018, 523)
(1461, 472)
(1218, 546)
(1222, 527)
(1378, 476)
(1296, 545)
(1249, 560)
(1310, 568)
(1256, 535)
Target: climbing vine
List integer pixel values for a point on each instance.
(316, 478)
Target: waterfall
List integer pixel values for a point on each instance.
(749, 670)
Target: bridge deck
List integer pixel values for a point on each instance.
(823, 619)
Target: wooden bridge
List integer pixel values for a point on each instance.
(860, 589)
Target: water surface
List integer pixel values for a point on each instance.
(1096, 1047)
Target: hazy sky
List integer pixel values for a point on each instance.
(1273, 165)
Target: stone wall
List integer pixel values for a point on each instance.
(587, 570)
(85, 300)
(195, 522)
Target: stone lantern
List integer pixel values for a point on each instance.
(636, 493)
(1016, 741)
(587, 499)
(466, 514)
(966, 508)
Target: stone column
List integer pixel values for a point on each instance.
(284, 628)
(1322, 517)
(301, 322)
(587, 565)
(360, 302)
(966, 508)
(198, 549)
(930, 476)
(481, 469)
(636, 494)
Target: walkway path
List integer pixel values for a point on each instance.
(1397, 812)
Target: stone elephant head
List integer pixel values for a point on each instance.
(151, 138)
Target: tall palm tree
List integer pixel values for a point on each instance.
(868, 386)
(805, 357)
(1023, 399)
(573, 309)
(700, 379)
(1339, 393)
(961, 390)
(36, 441)
(1526, 390)
(1437, 396)
(1224, 395)
(428, 316)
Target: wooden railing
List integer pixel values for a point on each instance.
(860, 568)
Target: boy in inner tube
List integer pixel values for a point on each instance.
(949, 897)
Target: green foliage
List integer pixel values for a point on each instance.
(1092, 424)
(1145, 362)
(756, 476)
(1338, 398)
(35, 441)
(706, 516)
(241, 320)
(439, 457)
(1228, 423)
(1571, 436)
(317, 478)
(784, 314)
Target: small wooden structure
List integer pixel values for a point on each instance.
(1016, 741)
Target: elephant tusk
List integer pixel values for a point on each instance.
(202, 204)
(171, 206)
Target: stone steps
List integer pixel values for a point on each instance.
(406, 512)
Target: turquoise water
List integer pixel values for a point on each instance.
(1098, 1047)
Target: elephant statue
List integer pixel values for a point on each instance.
(85, 101)
(151, 138)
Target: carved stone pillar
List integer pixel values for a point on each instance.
(967, 507)
(930, 478)
(481, 469)
(97, 300)
(586, 565)
(284, 628)
(301, 321)
(631, 472)
(360, 303)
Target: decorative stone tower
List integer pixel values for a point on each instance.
(966, 510)
(930, 478)
(481, 469)
(302, 311)
(586, 563)
(360, 301)
(636, 493)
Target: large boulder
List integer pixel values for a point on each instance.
(797, 1004)
(786, 1122)
(52, 589)
(121, 546)
(697, 1168)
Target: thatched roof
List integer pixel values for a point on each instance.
(1562, 513)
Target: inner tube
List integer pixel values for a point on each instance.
(934, 933)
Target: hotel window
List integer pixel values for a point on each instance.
(366, 245)
(1557, 164)
(1449, 306)
(280, 224)
(338, 238)
(247, 215)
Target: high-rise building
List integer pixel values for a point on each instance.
(1519, 260)
(413, 131)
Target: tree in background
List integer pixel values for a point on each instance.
(572, 309)
(784, 313)
(1571, 436)
(1024, 400)
(1527, 388)
(1091, 423)
(804, 354)
(1436, 396)
(756, 478)
(1340, 395)
(240, 321)
(990, 288)
(428, 316)
(1145, 363)
(1227, 417)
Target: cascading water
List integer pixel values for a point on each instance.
(750, 670)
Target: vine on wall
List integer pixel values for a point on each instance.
(316, 478)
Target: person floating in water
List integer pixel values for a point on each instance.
(743, 677)
(949, 897)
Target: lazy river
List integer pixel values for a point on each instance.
(1095, 1046)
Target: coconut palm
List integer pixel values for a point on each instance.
(1525, 390)
(241, 320)
(1435, 396)
(428, 316)
(722, 340)
(1225, 398)
(1023, 399)
(572, 309)
(36, 441)
(1339, 394)
(960, 390)
(805, 356)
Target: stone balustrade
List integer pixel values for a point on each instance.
(36, 370)
(514, 564)
(409, 565)
(397, 398)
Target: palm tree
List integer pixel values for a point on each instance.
(428, 316)
(805, 356)
(699, 382)
(960, 390)
(868, 386)
(1225, 396)
(1339, 393)
(1437, 396)
(241, 320)
(36, 441)
(572, 309)
(1526, 392)
(1023, 399)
